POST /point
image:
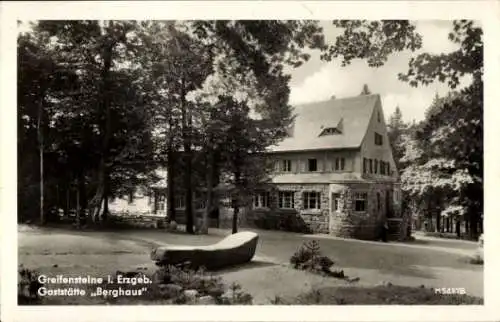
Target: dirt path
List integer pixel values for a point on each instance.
(77, 252)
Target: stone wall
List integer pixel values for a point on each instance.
(297, 219)
(349, 223)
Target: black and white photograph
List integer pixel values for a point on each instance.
(234, 162)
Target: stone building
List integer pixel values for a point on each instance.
(334, 174)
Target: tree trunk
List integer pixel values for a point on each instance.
(41, 151)
(236, 201)
(235, 218)
(186, 129)
(67, 206)
(81, 214)
(104, 98)
(473, 226)
(209, 196)
(105, 210)
(457, 228)
(438, 221)
(170, 184)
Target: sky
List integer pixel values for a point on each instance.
(317, 80)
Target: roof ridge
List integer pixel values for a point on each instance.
(336, 99)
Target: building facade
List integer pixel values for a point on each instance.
(334, 174)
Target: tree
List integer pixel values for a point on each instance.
(461, 120)
(396, 128)
(97, 133)
(248, 79)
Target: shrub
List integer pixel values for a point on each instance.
(308, 257)
(390, 294)
(27, 286)
(200, 281)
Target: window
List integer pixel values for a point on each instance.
(379, 118)
(201, 204)
(378, 139)
(180, 202)
(286, 199)
(388, 168)
(330, 131)
(261, 200)
(376, 166)
(371, 165)
(365, 167)
(335, 201)
(313, 165)
(286, 165)
(160, 202)
(382, 167)
(339, 164)
(360, 201)
(312, 200)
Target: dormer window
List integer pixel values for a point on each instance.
(330, 131)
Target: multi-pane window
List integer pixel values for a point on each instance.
(180, 202)
(378, 139)
(261, 200)
(286, 165)
(312, 200)
(360, 201)
(160, 202)
(312, 165)
(375, 166)
(339, 164)
(286, 199)
(335, 201)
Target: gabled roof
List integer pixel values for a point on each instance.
(311, 119)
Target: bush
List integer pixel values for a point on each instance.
(200, 281)
(308, 257)
(27, 286)
(390, 294)
(286, 221)
(446, 235)
(171, 285)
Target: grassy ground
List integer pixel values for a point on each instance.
(97, 253)
(401, 295)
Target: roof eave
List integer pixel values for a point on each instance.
(313, 150)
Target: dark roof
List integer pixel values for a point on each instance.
(352, 113)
